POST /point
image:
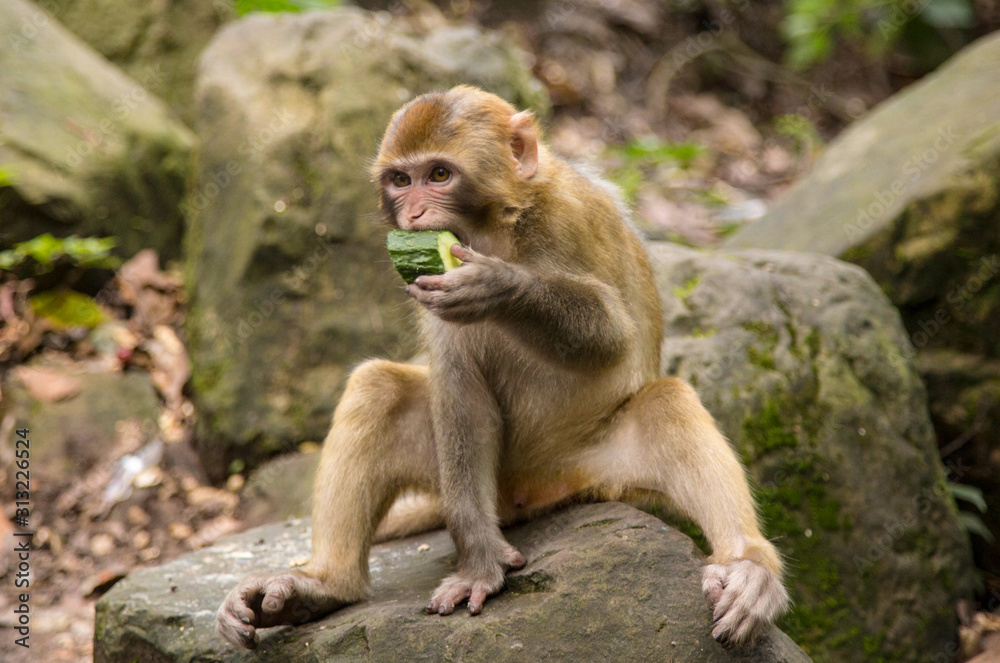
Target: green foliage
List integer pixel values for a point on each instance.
(970, 494)
(811, 27)
(45, 251)
(639, 158)
(6, 176)
(801, 130)
(246, 6)
(653, 151)
(66, 308)
(972, 523)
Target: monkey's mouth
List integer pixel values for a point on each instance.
(461, 240)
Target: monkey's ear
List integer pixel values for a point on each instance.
(524, 144)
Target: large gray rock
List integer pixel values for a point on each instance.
(289, 280)
(912, 193)
(804, 363)
(604, 582)
(84, 149)
(934, 144)
(155, 42)
(279, 489)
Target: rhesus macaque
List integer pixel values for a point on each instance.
(542, 386)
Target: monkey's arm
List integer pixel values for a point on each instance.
(576, 320)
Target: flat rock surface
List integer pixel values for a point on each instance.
(604, 582)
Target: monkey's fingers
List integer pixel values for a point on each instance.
(428, 282)
(463, 253)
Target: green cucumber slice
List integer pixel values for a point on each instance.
(418, 252)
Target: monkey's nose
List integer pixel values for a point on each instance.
(417, 215)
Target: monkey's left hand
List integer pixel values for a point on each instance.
(482, 286)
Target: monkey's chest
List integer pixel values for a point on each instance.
(547, 410)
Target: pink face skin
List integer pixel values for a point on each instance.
(421, 196)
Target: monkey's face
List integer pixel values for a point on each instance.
(457, 161)
(420, 194)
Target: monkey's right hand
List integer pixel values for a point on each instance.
(261, 601)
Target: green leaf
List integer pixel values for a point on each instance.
(66, 308)
(808, 50)
(798, 25)
(247, 6)
(46, 250)
(9, 259)
(973, 524)
(949, 14)
(970, 494)
(91, 251)
(653, 152)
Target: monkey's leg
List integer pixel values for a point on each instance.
(467, 431)
(380, 445)
(666, 442)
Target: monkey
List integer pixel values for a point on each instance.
(542, 386)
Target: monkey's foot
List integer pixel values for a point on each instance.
(746, 598)
(263, 601)
(460, 586)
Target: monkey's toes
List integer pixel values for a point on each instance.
(447, 596)
(514, 559)
(746, 597)
(456, 589)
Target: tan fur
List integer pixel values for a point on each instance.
(543, 380)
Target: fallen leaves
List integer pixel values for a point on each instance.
(47, 384)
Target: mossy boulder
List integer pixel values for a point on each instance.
(157, 43)
(807, 368)
(84, 149)
(289, 280)
(912, 193)
(604, 582)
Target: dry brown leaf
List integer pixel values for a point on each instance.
(980, 637)
(991, 656)
(102, 581)
(725, 129)
(171, 368)
(667, 217)
(180, 530)
(207, 496)
(214, 530)
(143, 271)
(48, 385)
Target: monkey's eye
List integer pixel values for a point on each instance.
(440, 174)
(401, 179)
